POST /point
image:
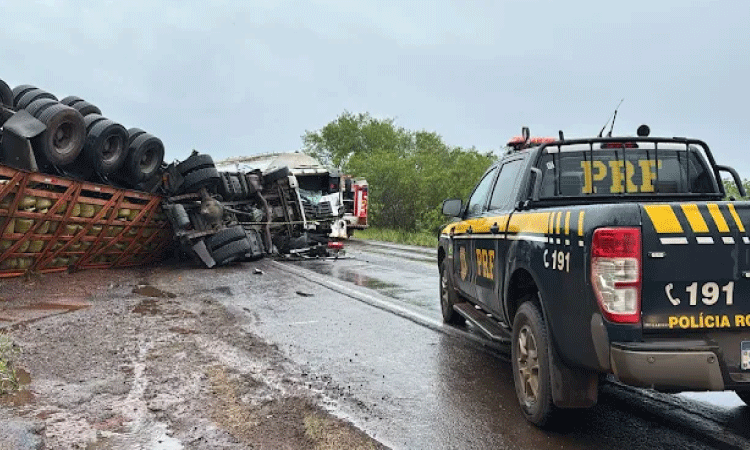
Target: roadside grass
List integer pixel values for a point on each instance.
(8, 377)
(421, 238)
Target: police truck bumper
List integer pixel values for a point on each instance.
(657, 366)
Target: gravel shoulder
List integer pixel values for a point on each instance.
(145, 360)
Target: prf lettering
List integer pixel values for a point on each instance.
(618, 172)
(486, 263)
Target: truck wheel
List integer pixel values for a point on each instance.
(145, 156)
(6, 94)
(37, 106)
(200, 178)
(91, 120)
(18, 92)
(195, 162)
(86, 108)
(531, 364)
(225, 236)
(275, 175)
(63, 139)
(134, 133)
(105, 146)
(231, 251)
(34, 94)
(744, 396)
(70, 100)
(448, 297)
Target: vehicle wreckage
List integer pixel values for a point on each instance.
(78, 190)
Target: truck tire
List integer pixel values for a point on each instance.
(530, 358)
(37, 106)
(225, 236)
(91, 120)
(448, 297)
(744, 396)
(197, 179)
(105, 146)
(145, 156)
(70, 100)
(62, 141)
(34, 94)
(231, 251)
(195, 162)
(275, 175)
(86, 108)
(18, 92)
(6, 94)
(134, 133)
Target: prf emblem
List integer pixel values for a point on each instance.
(464, 263)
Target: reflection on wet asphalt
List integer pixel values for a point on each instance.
(414, 388)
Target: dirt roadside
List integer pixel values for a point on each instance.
(118, 360)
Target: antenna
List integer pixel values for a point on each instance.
(601, 132)
(614, 118)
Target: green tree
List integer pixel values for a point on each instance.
(409, 173)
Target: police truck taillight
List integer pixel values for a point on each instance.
(616, 273)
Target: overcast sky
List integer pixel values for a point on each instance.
(234, 78)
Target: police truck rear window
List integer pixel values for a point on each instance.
(623, 168)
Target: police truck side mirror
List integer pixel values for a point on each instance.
(452, 207)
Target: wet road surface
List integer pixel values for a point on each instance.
(368, 334)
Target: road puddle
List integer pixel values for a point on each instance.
(147, 307)
(150, 291)
(23, 396)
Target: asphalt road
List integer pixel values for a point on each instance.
(367, 333)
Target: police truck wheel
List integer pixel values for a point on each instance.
(531, 364)
(744, 396)
(448, 297)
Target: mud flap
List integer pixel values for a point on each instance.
(572, 387)
(201, 250)
(17, 149)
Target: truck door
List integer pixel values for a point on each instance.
(490, 252)
(465, 234)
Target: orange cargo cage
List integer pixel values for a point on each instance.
(52, 224)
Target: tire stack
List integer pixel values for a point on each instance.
(82, 143)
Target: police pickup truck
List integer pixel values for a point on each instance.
(604, 255)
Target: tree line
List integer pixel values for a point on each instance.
(410, 173)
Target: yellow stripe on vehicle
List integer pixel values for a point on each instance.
(551, 224)
(737, 220)
(529, 223)
(580, 223)
(718, 217)
(567, 223)
(695, 218)
(557, 227)
(663, 218)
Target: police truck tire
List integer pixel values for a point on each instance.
(744, 396)
(530, 358)
(448, 297)
(37, 106)
(275, 175)
(86, 108)
(34, 94)
(231, 251)
(6, 94)
(195, 162)
(62, 141)
(106, 146)
(225, 236)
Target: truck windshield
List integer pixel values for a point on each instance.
(607, 169)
